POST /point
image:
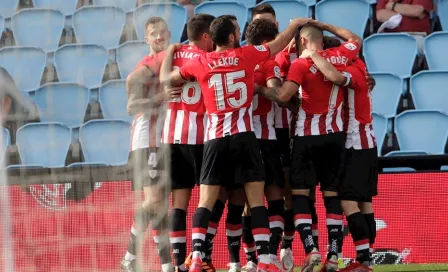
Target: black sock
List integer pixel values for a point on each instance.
(248, 240)
(371, 223)
(260, 230)
(360, 234)
(161, 239)
(276, 224)
(288, 233)
(139, 227)
(178, 238)
(314, 227)
(334, 223)
(213, 224)
(234, 231)
(303, 221)
(201, 219)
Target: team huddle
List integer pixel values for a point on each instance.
(269, 120)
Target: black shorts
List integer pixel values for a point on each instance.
(185, 165)
(317, 159)
(359, 180)
(272, 163)
(284, 145)
(232, 161)
(148, 166)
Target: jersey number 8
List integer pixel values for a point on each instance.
(189, 97)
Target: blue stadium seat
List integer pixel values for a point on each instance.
(113, 100)
(83, 64)
(222, 8)
(428, 89)
(247, 3)
(380, 129)
(8, 7)
(64, 103)
(442, 10)
(423, 131)
(67, 7)
(129, 54)
(31, 30)
(398, 169)
(98, 136)
(2, 24)
(286, 10)
(444, 168)
(43, 144)
(6, 138)
(175, 15)
(99, 25)
(125, 5)
(349, 14)
(387, 93)
(434, 44)
(390, 53)
(398, 153)
(25, 64)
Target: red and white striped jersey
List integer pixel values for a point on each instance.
(226, 80)
(263, 109)
(321, 109)
(185, 120)
(146, 129)
(358, 109)
(282, 117)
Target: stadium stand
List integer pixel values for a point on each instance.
(387, 93)
(428, 90)
(422, 131)
(442, 10)
(84, 64)
(129, 54)
(345, 13)
(64, 103)
(247, 3)
(31, 30)
(175, 15)
(67, 7)
(380, 129)
(288, 10)
(8, 7)
(6, 138)
(2, 24)
(125, 5)
(434, 44)
(398, 169)
(96, 138)
(25, 65)
(112, 98)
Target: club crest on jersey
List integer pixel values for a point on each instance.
(350, 46)
(256, 67)
(153, 173)
(261, 48)
(277, 71)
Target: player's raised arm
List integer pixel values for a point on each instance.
(326, 68)
(284, 38)
(342, 33)
(168, 77)
(281, 95)
(136, 83)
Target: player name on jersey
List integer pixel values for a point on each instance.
(223, 62)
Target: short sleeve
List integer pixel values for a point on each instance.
(271, 70)
(256, 53)
(349, 49)
(297, 71)
(284, 61)
(190, 70)
(381, 4)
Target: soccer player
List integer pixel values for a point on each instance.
(231, 153)
(318, 146)
(360, 178)
(183, 132)
(144, 100)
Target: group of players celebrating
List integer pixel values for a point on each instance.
(221, 116)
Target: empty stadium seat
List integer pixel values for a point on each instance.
(40, 28)
(175, 15)
(380, 129)
(442, 10)
(349, 14)
(98, 136)
(222, 8)
(386, 94)
(6, 138)
(8, 7)
(398, 169)
(113, 100)
(129, 54)
(247, 3)
(393, 53)
(286, 10)
(83, 64)
(444, 168)
(2, 24)
(64, 103)
(67, 7)
(25, 65)
(125, 5)
(429, 90)
(99, 25)
(434, 44)
(43, 144)
(423, 131)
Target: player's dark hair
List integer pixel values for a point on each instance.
(330, 42)
(261, 30)
(198, 25)
(221, 28)
(263, 9)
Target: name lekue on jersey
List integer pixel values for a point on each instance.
(335, 60)
(228, 61)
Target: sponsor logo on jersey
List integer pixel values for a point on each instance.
(277, 71)
(350, 46)
(260, 48)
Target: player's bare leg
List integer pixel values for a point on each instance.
(249, 242)
(276, 205)
(178, 239)
(234, 230)
(367, 210)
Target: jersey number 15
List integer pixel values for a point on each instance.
(217, 82)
